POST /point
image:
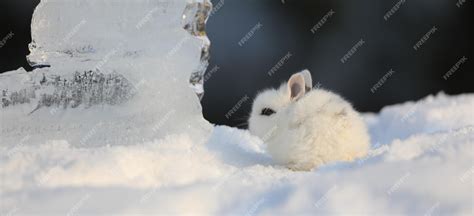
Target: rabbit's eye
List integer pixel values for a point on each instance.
(267, 112)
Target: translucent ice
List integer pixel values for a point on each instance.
(120, 71)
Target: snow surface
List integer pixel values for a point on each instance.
(421, 163)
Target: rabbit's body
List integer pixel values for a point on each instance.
(309, 129)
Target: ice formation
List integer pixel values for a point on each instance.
(129, 62)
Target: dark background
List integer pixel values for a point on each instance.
(242, 70)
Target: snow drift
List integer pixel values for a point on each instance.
(420, 164)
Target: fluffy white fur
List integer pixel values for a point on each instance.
(308, 128)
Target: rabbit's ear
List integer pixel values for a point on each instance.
(307, 79)
(296, 86)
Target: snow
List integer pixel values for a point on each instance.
(419, 165)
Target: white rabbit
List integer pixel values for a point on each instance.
(305, 128)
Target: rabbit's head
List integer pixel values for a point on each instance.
(269, 105)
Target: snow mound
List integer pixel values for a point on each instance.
(431, 114)
(419, 166)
